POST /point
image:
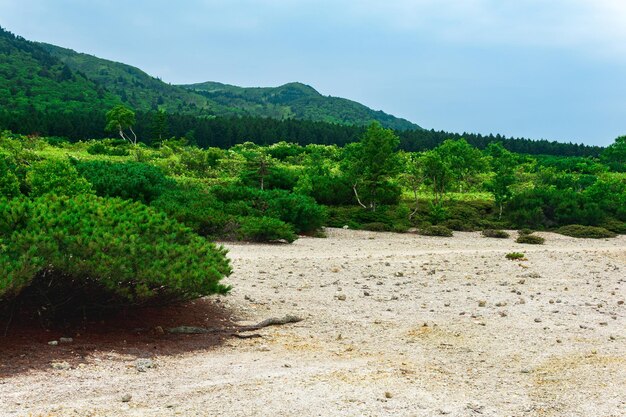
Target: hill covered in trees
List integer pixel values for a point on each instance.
(52, 91)
(294, 100)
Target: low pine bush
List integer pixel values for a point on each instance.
(515, 256)
(105, 252)
(498, 234)
(265, 229)
(435, 231)
(530, 239)
(588, 232)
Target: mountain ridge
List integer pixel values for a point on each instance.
(292, 100)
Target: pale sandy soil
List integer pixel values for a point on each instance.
(550, 339)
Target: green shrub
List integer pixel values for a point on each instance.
(437, 213)
(436, 231)
(131, 180)
(523, 232)
(590, 232)
(99, 148)
(514, 256)
(458, 225)
(9, 183)
(615, 225)
(498, 234)
(265, 229)
(199, 210)
(112, 250)
(376, 227)
(530, 239)
(56, 177)
(302, 212)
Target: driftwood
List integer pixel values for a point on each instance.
(273, 321)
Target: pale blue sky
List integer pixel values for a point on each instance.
(534, 68)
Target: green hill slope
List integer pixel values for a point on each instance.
(295, 100)
(32, 80)
(144, 92)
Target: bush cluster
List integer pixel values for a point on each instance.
(590, 232)
(530, 239)
(435, 231)
(495, 233)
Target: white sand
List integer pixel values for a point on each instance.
(550, 340)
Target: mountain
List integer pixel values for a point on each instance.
(32, 82)
(294, 100)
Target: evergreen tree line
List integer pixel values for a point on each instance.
(225, 132)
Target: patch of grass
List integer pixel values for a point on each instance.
(586, 232)
(441, 231)
(495, 233)
(515, 256)
(530, 239)
(523, 232)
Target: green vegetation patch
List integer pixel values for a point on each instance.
(495, 233)
(515, 256)
(530, 239)
(588, 232)
(435, 231)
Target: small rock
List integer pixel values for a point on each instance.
(345, 227)
(388, 394)
(143, 364)
(482, 303)
(537, 320)
(66, 340)
(365, 293)
(341, 297)
(159, 330)
(126, 398)
(53, 343)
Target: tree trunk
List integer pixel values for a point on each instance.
(356, 194)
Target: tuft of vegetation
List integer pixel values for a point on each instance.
(435, 231)
(525, 231)
(587, 232)
(495, 233)
(515, 256)
(265, 229)
(530, 239)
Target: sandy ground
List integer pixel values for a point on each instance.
(394, 325)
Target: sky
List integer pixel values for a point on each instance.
(539, 69)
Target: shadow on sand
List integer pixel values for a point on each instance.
(136, 332)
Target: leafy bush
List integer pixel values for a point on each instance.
(199, 210)
(114, 250)
(131, 180)
(265, 229)
(100, 148)
(9, 183)
(530, 239)
(525, 232)
(458, 225)
(514, 256)
(302, 212)
(590, 232)
(56, 177)
(498, 234)
(614, 225)
(376, 227)
(436, 231)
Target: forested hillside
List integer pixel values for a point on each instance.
(52, 91)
